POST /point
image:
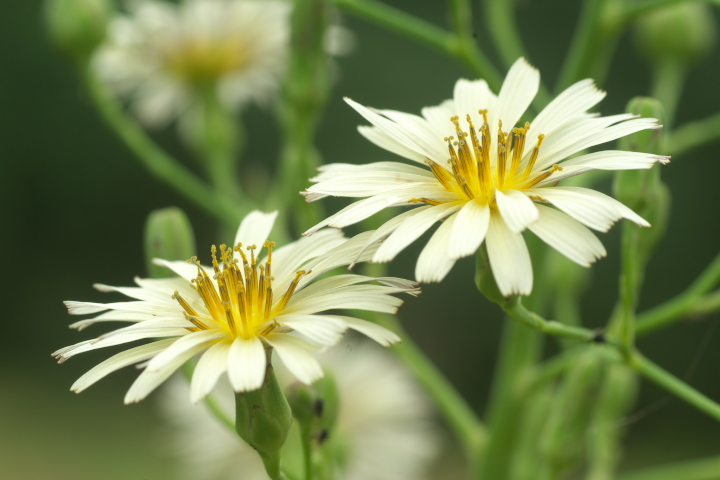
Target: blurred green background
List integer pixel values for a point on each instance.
(74, 202)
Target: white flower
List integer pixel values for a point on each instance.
(161, 55)
(384, 429)
(231, 313)
(488, 183)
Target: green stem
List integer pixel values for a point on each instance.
(307, 450)
(674, 385)
(624, 327)
(462, 47)
(460, 417)
(680, 306)
(501, 24)
(210, 401)
(667, 85)
(704, 469)
(518, 353)
(694, 134)
(159, 163)
(634, 10)
(515, 309)
(586, 44)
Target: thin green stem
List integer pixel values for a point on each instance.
(210, 401)
(694, 134)
(515, 309)
(667, 84)
(704, 469)
(624, 326)
(674, 385)
(158, 162)
(500, 21)
(307, 450)
(634, 10)
(462, 47)
(460, 417)
(682, 305)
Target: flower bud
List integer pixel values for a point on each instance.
(168, 235)
(78, 26)
(315, 407)
(684, 33)
(263, 419)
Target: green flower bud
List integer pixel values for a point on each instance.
(168, 235)
(78, 26)
(315, 407)
(484, 279)
(263, 419)
(684, 33)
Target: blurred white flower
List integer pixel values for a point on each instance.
(232, 312)
(489, 183)
(161, 55)
(384, 429)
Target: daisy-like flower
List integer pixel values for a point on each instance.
(488, 179)
(161, 55)
(384, 429)
(236, 309)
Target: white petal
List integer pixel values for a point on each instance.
(246, 364)
(150, 380)
(439, 115)
(517, 92)
(469, 229)
(188, 342)
(509, 258)
(255, 228)
(594, 209)
(517, 210)
(574, 101)
(381, 335)
(567, 236)
(212, 364)
(121, 360)
(295, 354)
(320, 329)
(471, 96)
(385, 141)
(411, 229)
(434, 261)
(290, 258)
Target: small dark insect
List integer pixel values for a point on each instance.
(322, 436)
(599, 337)
(319, 407)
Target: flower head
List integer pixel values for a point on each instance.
(236, 309)
(384, 429)
(161, 55)
(488, 179)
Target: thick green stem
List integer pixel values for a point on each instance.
(460, 417)
(158, 162)
(667, 84)
(519, 352)
(500, 21)
(694, 134)
(674, 385)
(682, 305)
(704, 469)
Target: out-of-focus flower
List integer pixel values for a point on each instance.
(383, 431)
(162, 56)
(488, 179)
(231, 312)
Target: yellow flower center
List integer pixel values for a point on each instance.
(204, 60)
(242, 304)
(472, 172)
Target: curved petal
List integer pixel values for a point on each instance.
(320, 329)
(517, 210)
(509, 259)
(471, 96)
(183, 344)
(469, 229)
(295, 354)
(246, 364)
(518, 90)
(567, 236)
(386, 142)
(411, 229)
(255, 228)
(434, 261)
(212, 364)
(381, 335)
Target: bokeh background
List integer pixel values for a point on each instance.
(73, 201)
